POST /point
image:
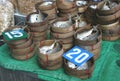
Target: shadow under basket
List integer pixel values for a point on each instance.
(82, 74)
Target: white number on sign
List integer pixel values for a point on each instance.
(80, 58)
(14, 33)
(83, 57)
(8, 34)
(75, 51)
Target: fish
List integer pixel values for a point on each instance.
(35, 18)
(46, 3)
(82, 35)
(47, 49)
(81, 3)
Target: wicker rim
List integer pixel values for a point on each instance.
(109, 26)
(22, 51)
(66, 14)
(22, 45)
(36, 34)
(62, 30)
(108, 12)
(96, 53)
(50, 56)
(66, 40)
(65, 5)
(92, 47)
(40, 28)
(65, 35)
(109, 17)
(79, 73)
(68, 10)
(88, 42)
(45, 7)
(111, 32)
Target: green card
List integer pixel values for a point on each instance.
(15, 34)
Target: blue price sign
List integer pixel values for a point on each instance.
(77, 55)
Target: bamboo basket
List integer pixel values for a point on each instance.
(108, 12)
(50, 61)
(82, 74)
(62, 4)
(24, 56)
(50, 10)
(92, 46)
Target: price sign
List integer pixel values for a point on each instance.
(77, 55)
(16, 34)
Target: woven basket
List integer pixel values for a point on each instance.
(67, 10)
(107, 12)
(41, 7)
(24, 56)
(22, 45)
(66, 14)
(51, 9)
(82, 9)
(83, 74)
(62, 4)
(88, 42)
(39, 38)
(96, 53)
(50, 61)
(109, 26)
(109, 17)
(91, 13)
(39, 28)
(37, 34)
(66, 40)
(67, 47)
(21, 51)
(111, 32)
(62, 30)
(51, 13)
(64, 35)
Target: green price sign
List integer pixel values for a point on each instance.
(16, 34)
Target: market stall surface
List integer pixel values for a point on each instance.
(106, 68)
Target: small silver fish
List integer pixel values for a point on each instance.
(82, 35)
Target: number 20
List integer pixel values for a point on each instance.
(77, 59)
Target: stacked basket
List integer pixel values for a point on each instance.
(89, 39)
(83, 72)
(108, 15)
(81, 5)
(49, 8)
(50, 54)
(22, 49)
(63, 29)
(91, 11)
(66, 8)
(38, 24)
